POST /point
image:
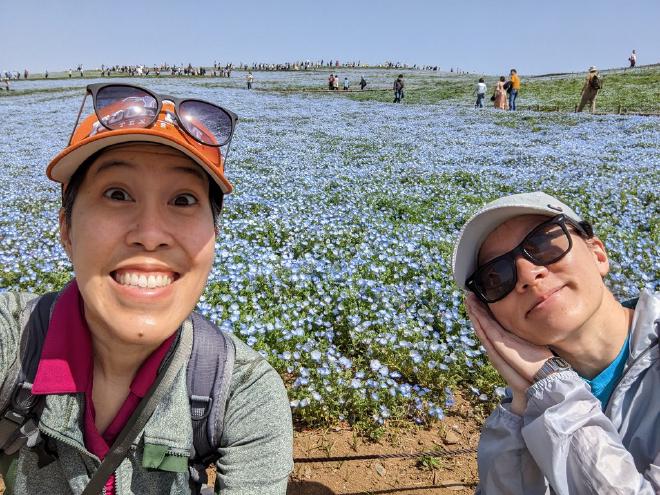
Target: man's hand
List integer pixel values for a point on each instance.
(515, 359)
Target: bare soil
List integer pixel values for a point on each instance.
(416, 476)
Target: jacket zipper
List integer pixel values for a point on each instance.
(630, 368)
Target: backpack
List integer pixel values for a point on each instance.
(208, 376)
(595, 83)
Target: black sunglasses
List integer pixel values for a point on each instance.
(546, 244)
(124, 105)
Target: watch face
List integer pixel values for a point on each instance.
(554, 364)
(559, 363)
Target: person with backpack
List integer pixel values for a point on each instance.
(363, 83)
(592, 85)
(581, 414)
(114, 384)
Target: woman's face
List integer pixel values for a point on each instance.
(141, 241)
(549, 304)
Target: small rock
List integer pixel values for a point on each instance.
(451, 438)
(380, 469)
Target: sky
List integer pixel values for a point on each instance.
(487, 37)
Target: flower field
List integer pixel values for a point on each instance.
(334, 256)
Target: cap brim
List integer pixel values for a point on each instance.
(63, 166)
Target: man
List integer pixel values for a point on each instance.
(583, 412)
(632, 59)
(515, 87)
(592, 85)
(250, 79)
(480, 91)
(398, 89)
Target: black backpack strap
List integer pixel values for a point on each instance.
(17, 424)
(208, 376)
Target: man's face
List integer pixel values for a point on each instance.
(549, 303)
(141, 242)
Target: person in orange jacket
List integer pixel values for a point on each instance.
(515, 86)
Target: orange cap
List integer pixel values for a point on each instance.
(91, 136)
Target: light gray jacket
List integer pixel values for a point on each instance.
(256, 445)
(566, 444)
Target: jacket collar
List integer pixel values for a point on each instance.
(170, 424)
(645, 324)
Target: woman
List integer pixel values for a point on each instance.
(142, 185)
(500, 95)
(582, 413)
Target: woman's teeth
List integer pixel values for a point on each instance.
(143, 281)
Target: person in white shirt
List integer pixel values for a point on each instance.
(480, 91)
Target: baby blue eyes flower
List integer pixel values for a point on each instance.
(345, 265)
(375, 365)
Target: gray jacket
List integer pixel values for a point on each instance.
(566, 444)
(256, 444)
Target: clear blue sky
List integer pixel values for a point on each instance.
(534, 36)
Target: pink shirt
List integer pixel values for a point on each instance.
(66, 367)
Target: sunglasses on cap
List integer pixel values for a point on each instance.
(546, 244)
(122, 106)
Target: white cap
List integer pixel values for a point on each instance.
(494, 214)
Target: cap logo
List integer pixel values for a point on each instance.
(556, 208)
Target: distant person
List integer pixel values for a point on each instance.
(363, 83)
(480, 91)
(69, 73)
(499, 96)
(335, 83)
(592, 85)
(346, 84)
(46, 74)
(632, 59)
(250, 79)
(515, 87)
(399, 85)
(331, 82)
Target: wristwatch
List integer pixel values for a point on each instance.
(552, 365)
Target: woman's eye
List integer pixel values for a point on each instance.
(117, 194)
(184, 200)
